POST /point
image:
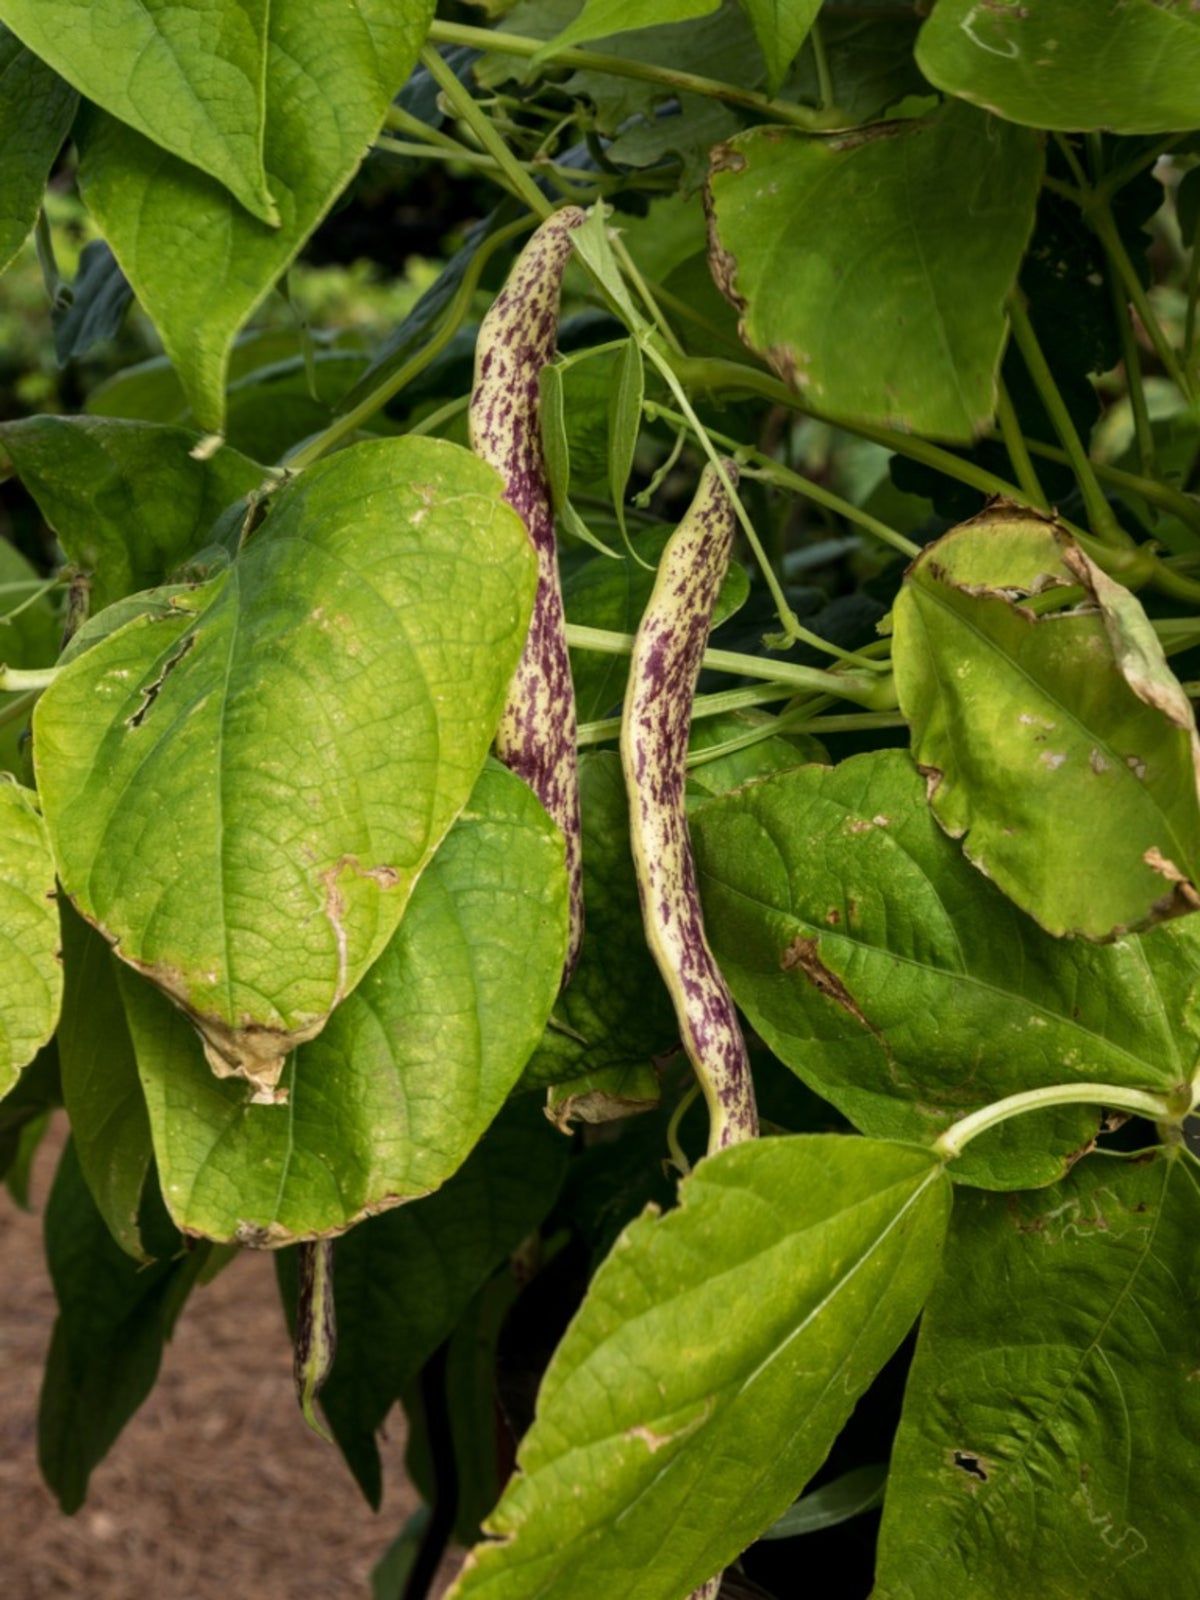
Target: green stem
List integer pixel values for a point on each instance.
(1163, 495)
(391, 382)
(434, 420)
(821, 62)
(16, 708)
(678, 1159)
(959, 1134)
(513, 44)
(630, 268)
(468, 111)
(1104, 524)
(1132, 361)
(400, 121)
(1101, 218)
(772, 471)
(14, 680)
(39, 589)
(788, 619)
(1018, 453)
(1193, 295)
(801, 720)
(704, 705)
(867, 691)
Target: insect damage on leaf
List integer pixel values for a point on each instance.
(517, 339)
(655, 724)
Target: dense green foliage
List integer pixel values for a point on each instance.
(912, 292)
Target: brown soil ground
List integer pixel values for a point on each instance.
(215, 1491)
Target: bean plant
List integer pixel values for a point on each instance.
(638, 830)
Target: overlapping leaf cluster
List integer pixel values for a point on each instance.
(286, 942)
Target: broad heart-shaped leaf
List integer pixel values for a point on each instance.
(110, 1129)
(1130, 66)
(189, 74)
(902, 985)
(402, 1281)
(36, 109)
(1060, 745)
(197, 260)
(887, 305)
(1047, 1442)
(128, 500)
(242, 792)
(718, 1353)
(615, 1014)
(30, 959)
(781, 27)
(389, 1100)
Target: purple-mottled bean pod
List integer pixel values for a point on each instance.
(654, 739)
(518, 337)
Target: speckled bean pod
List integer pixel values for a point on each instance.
(654, 740)
(517, 338)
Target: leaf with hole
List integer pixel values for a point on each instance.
(1079, 1301)
(242, 792)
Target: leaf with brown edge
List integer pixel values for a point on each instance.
(242, 788)
(1057, 742)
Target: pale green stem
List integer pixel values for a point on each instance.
(1101, 219)
(16, 709)
(867, 691)
(14, 680)
(772, 471)
(435, 419)
(31, 598)
(959, 1134)
(1104, 524)
(821, 61)
(704, 705)
(1163, 495)
(513, 44)
(630, 268)
(680, 1161)
(800, 720)
(1018, 454)
(468, 111)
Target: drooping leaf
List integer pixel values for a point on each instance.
(110, 1130)
(390, 1099)
(667, 1405)
(242, 793)
(402, 1280)
(36, 110)
(1045, 1443)
(624, 424)
(905, 988)
(95, 307)
(600, 18)
(25, 1110)
(1060, 747)
(113, 1317)
(781, 27)
(606, 1096)
(851, 1495)
(1131, 66)
(198, 262)
(30, 938)
(888, 306)
(615, 1012)
(128, 500)
(189, 76)
(604, 593)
